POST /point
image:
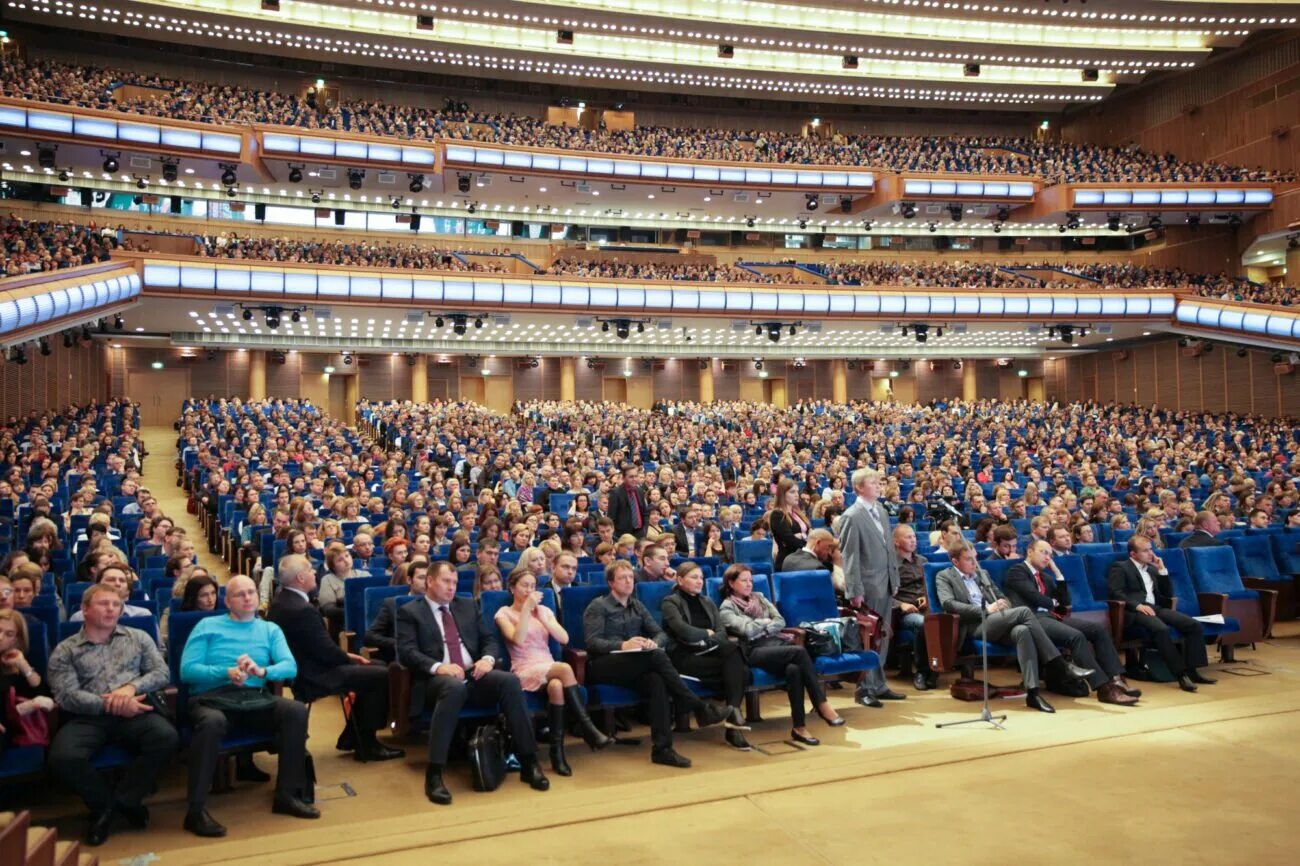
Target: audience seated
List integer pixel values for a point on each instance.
(102, 679)
(93, 87)
(227, 663)
(986, 614)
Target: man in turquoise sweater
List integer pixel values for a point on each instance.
(226, 665)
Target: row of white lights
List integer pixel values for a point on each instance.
(1103, 64)
(561, 69)
(928, 4)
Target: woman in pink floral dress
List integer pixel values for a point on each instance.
(528, 627)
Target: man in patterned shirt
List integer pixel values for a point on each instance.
(99, 678)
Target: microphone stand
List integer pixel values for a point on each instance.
(986, 715)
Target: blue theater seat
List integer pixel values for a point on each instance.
(1259, 570)
(808, 596)
(1214, 569)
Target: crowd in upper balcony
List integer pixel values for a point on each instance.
(31, 246)
(360, 253)
(701, 272)
(98, 87)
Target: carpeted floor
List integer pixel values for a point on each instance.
(1204, 778)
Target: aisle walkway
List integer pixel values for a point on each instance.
(159, 476)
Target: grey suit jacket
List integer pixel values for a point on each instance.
(954, 598)
(870, 561)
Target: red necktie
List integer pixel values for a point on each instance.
(1038, 578)
(451, 635)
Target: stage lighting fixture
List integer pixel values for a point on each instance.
(44, 343)
(997, 228)
(437, 322)
(295, 174)
(954, 211)
(907, 209)
(933, 227)
(356, 177)
(231, 192)
(417, 183)
(1112, 223)
(623, 329)
(141, 183)
(248, 315)
(63, 175)
(1155, 223)
(811, 201)
(45, 156)
(170, 171)
(117, 321)
(229, 178)
(1072, 221)
(69, 340)
(273, 317)
(1193, 221)
(774, 332)
(315, 198)
(1004, 214)
(463, 183)
(478, 323)
(459, 325)
(347, 358)
(110, 164)
(604, 326)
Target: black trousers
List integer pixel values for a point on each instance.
(286, 721)
(370, 684)
(448, 696)
(1193, 652)
(793, 663)
(722, 668)
(653, 676)
(1089, 644)
(149, 737)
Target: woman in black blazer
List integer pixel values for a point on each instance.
(699, 647)
(787, 522)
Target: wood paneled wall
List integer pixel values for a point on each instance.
(54, 382)
(1161, 374)
(1242, 108)
(1152, 373)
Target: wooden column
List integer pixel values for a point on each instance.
(568, 379)
(351, 394)
(257, 374)
(968, 389)
(420, 380)
(706, 383)
(839, 381)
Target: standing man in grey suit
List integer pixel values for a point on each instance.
(870, 572)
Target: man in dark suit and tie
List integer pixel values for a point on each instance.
(452, 664)
(1037, 584)
(687, 533)
(1206, 531)
(323, 667)
(1142, 583)
(627, 504)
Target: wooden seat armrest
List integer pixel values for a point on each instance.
(1115, 618)
(345, 639)
(941, 633)
(399, 699)
(577, 660)
(1212, 602)
(798, 633)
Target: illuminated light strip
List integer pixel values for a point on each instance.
(1266, 322)
(487, 157)
(1172, 197)
(788, 16)
(967, 189)
(254, 35)
(361, 151)
(301, 284)
(127, 132)
(22, 308)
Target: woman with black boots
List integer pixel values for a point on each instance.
(528, 627)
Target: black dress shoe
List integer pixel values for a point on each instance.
(1185, 683)
(837, 722)
(867, 700)
(247, 771)
(890, 695)
(286, 805)
(807, 741)
(434, 789)
(101, 826)
(200, 823)
(1197, 677)
(921, 682)
(1035, 701)
(378, 752)
(137, 817)
(347, 741)
(1124, 687)
(669, 758)
(531, 774)
(736, 739)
